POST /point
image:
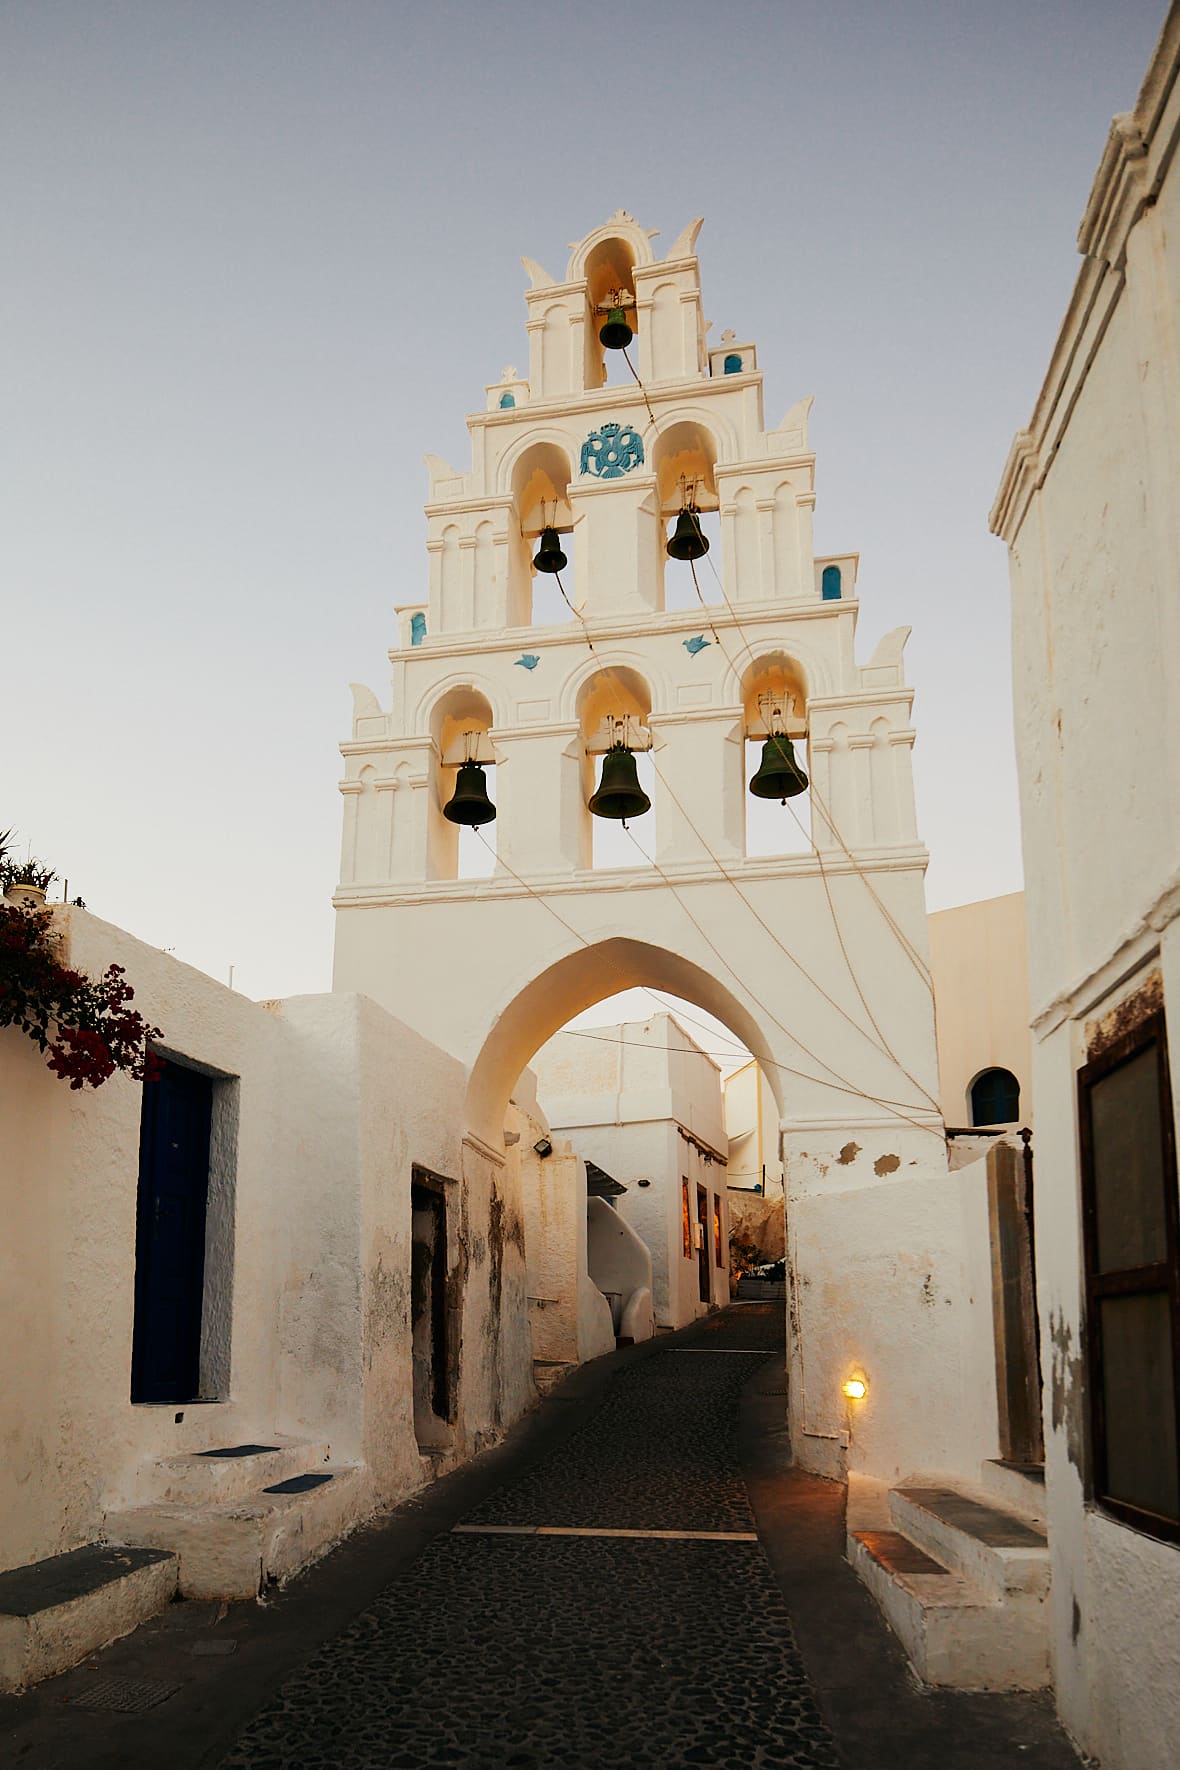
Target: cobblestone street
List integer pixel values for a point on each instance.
(635, 1578)
(522, 1650)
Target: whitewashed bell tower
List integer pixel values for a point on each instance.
(816, 959)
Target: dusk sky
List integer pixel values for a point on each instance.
(261, 258)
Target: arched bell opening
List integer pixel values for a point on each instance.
(684, 459)
(541, 513)
(774, 712)
(613, 708)
(462, 845)
(610, 272)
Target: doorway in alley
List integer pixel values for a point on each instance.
(428, 1310)
(702, 1235)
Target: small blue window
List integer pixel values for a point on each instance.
(506, 400)
(417, 628)
(830, 583)
(995, 1098)
(732, 364)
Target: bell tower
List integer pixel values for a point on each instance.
(816, 956)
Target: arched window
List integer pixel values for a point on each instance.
(995, 1098)
(732, 364)
(506, 401)
(830, 584)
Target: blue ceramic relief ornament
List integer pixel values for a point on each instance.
(612, 451)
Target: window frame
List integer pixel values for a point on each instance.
(1161, 1276)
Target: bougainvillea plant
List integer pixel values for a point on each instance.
(85, 1025)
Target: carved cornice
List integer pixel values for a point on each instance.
(1138, 153)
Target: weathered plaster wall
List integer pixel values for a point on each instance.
(1088, 508)
(979, 962)
(905, 1324)
(329, 1102)
(624, 1098)
(569, 1317)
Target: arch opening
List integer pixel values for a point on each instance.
(460, 728)
(774, 699)
(579, 981)
(540, 499)
(684, 459)
(614, 705)
(994, 1097)
(610, 266)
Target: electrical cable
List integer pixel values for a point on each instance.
(850, 1087)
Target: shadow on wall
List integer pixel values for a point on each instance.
(620, 1265)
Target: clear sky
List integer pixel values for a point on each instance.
(261, 257)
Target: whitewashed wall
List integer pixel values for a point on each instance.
(335, 1101)
(1089, 510)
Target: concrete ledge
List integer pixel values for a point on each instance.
(232, 1550)
(997, 1550)
(54, 1612)
(208, 1478)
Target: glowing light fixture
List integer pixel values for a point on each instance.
(855, 1388)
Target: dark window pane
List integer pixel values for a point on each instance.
(995, 1098)
(1138, 1386)
(1128, 1165)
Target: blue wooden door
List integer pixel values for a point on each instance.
(170, 1236)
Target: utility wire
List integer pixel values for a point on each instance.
(850, 1088)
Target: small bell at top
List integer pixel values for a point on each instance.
(615, 334)
(779, 776)
(688, 540)
(549, 557)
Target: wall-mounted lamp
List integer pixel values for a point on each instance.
(855, 1388)
(543, 1146)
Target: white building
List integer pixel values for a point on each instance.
(1089, 508)
(259, 1270)
(643, 1102)
(489, 968)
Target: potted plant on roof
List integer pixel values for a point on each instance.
(23, 881)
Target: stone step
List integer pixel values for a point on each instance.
(1017, 1487)
(54, 1612)
(954, 1633)
(231, 1549)
(227, 1472)
(994, 1549)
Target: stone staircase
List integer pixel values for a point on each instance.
(240, 1516)
(54, 1612)
(961, 1574)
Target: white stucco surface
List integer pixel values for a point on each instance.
(1089, 511)
(979, 962)
(841, 1020)
(643, 1101)
(332, 1103)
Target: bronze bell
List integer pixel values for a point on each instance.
(619, 792)
(687, 541)
(615, 334)
(549, 557)
(779, 776)
(469, 802)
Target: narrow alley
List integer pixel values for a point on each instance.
(635, 1579)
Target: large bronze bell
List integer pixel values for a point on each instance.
(687, 540)
(779, 776)
(619, 792)
(615, 334)
(549, 557)
(469, 802)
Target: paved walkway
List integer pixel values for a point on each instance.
(593, 1594)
